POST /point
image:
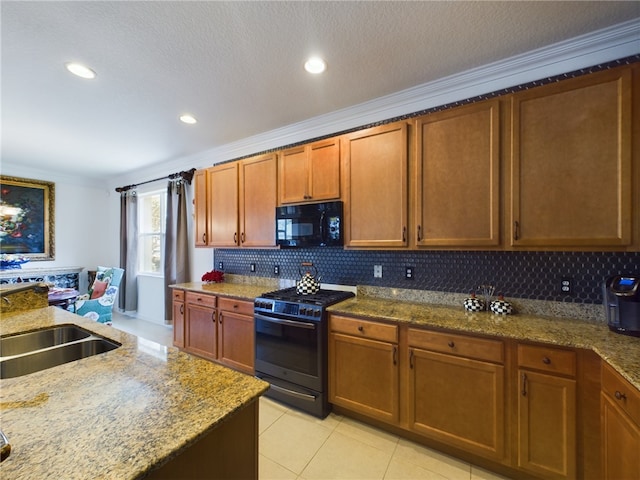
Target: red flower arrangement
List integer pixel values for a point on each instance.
(215, 276)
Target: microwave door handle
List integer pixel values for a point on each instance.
(323, 230)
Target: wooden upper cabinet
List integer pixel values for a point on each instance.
(376, 197)
(242, 203)
(311, 172)
(200, 202)
(223, 205)
(258, 187)
(571, 163)
(458, 177)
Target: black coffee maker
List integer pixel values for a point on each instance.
(621, 297)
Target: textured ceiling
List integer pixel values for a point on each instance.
(237, 66)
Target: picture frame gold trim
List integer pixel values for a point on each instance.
(35, 242)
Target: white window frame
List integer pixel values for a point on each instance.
(143, 234)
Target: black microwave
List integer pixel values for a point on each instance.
(309, 225)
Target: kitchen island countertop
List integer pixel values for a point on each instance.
(120, 414)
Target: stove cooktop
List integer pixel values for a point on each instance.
(322, 297)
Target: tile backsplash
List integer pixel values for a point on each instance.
(526, 275)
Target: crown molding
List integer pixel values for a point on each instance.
(601, 46)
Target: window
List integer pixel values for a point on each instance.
(151, 224)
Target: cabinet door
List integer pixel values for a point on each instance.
(363, 376)
(258, 186)
(376, 187)
(223, 203)
(178, 324)
(457, 177)
(621, 443)
(201, 331)
(547, 425)
(458, 401)
(571, 163)
(200, 207)
(294, 177)
(236, 344)
(324, 170)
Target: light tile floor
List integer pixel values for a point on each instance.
(297, 446)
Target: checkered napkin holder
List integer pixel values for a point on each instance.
(501, 306)
(473, 304)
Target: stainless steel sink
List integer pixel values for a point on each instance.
(39, 339)
(44, 349)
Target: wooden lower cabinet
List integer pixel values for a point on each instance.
(363, 367)
(516, 407)
(620, 414)
(458, 401)
(547, 425)
(178, 318)
(216, 328)
(200, 325)
(546, 430)
(236, 335)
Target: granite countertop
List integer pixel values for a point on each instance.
(622, 352)
(115, 415)
(235, 290)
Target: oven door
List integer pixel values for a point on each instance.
(290, 349)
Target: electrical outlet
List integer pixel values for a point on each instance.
(276, 269)
(252, 267)
(220, 266)
(408, 273)
(377, 271)
(566, 285)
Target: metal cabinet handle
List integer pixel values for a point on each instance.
(242, 237)
(411, 358)
(361, 328)
(524, 384)
(451, 344)
(395, 355)
(419, 233)
(546, 360)
(182, 309)
(620, 395)
(235, 237)
(516, 230)
(404, 234)
(204, 238)
(213, 317)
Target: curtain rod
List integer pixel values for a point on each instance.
(186, 176)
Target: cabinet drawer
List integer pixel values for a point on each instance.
(547, 359)
(201, 299)
(461, 345)
(178, 295)
(235, 305)
(621, 392)
(363, 328)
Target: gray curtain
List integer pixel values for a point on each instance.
(176, 245)
(128, 291)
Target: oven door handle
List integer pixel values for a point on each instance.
(290, 323)
(302, 396)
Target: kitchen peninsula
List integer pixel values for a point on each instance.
(141, 410)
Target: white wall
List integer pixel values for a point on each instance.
(84, 220)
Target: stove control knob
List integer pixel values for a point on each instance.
(317, 313)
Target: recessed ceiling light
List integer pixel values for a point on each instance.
(315, 65)
(186, 118)
(80, 70)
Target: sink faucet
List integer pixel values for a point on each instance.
(5, 447)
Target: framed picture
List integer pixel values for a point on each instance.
(27, 210)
